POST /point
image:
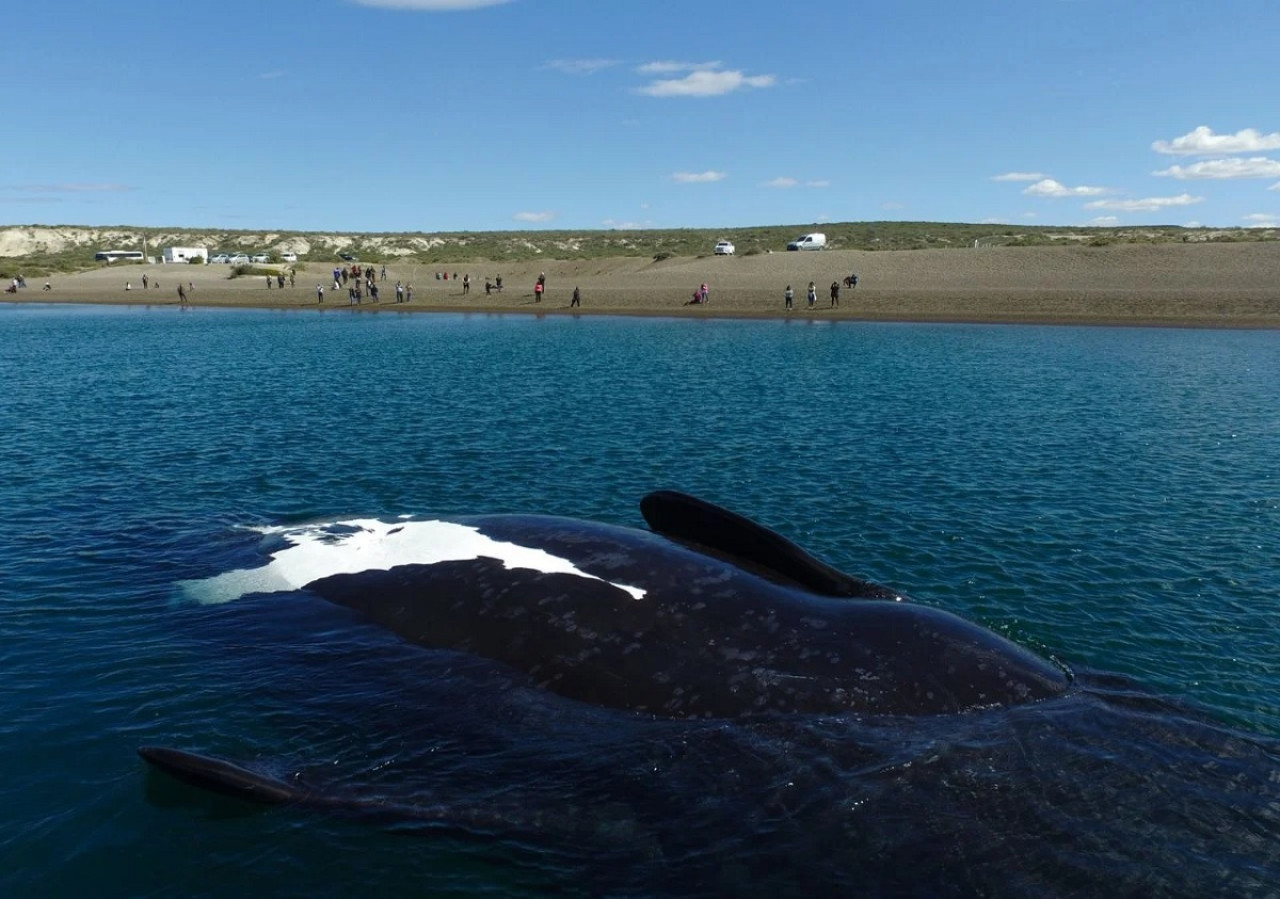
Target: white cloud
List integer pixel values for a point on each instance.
(580, 66)
(1262, 220)
(617, 225)
(1254, 167)
(670, 67)
(431, 5)
(1104, 221)
(698, 177)
(706, 83)
(785, 183)
(1275, 186)
(1203, 142)
(1019, 176)
(534, 216)
(1149, 204)
(1050, 188)
(69, 188)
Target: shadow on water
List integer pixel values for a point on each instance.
(1109, 790)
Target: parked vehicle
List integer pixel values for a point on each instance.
(808, 242)
(289, 257)
(240, 259)
(261, 257)
(220, 259)
(724, 248)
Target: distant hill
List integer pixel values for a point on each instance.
(39, 249)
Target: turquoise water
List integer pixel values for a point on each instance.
(1107, 497)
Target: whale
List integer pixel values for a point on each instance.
(690, 707)
(706, 614)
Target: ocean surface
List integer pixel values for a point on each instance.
(1108, 497)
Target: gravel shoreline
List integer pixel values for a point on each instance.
(1233, 285)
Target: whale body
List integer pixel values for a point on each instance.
(702, 707)
(706, 615)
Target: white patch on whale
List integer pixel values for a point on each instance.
(315, 551)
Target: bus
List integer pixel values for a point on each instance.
(119, 256)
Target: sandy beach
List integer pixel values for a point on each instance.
(1234, 285)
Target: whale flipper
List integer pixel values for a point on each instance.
(221, 776)
(688, 519)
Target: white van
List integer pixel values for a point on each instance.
(808, 242)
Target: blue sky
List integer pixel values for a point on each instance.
(447, 115)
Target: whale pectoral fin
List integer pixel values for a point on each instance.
(221, 776)
(691, 520)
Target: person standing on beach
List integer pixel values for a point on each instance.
(835, 294)
(789, 295)
(182, 294)
(706, 292)
(537, 291)
(319, 293)
(813, 294)
(577, 298)
(144, 280)
(466, 284)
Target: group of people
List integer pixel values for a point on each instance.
(788, 295)
(343, 275)
(149, 283)
(358, 281)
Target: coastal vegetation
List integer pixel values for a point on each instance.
(38, 250)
